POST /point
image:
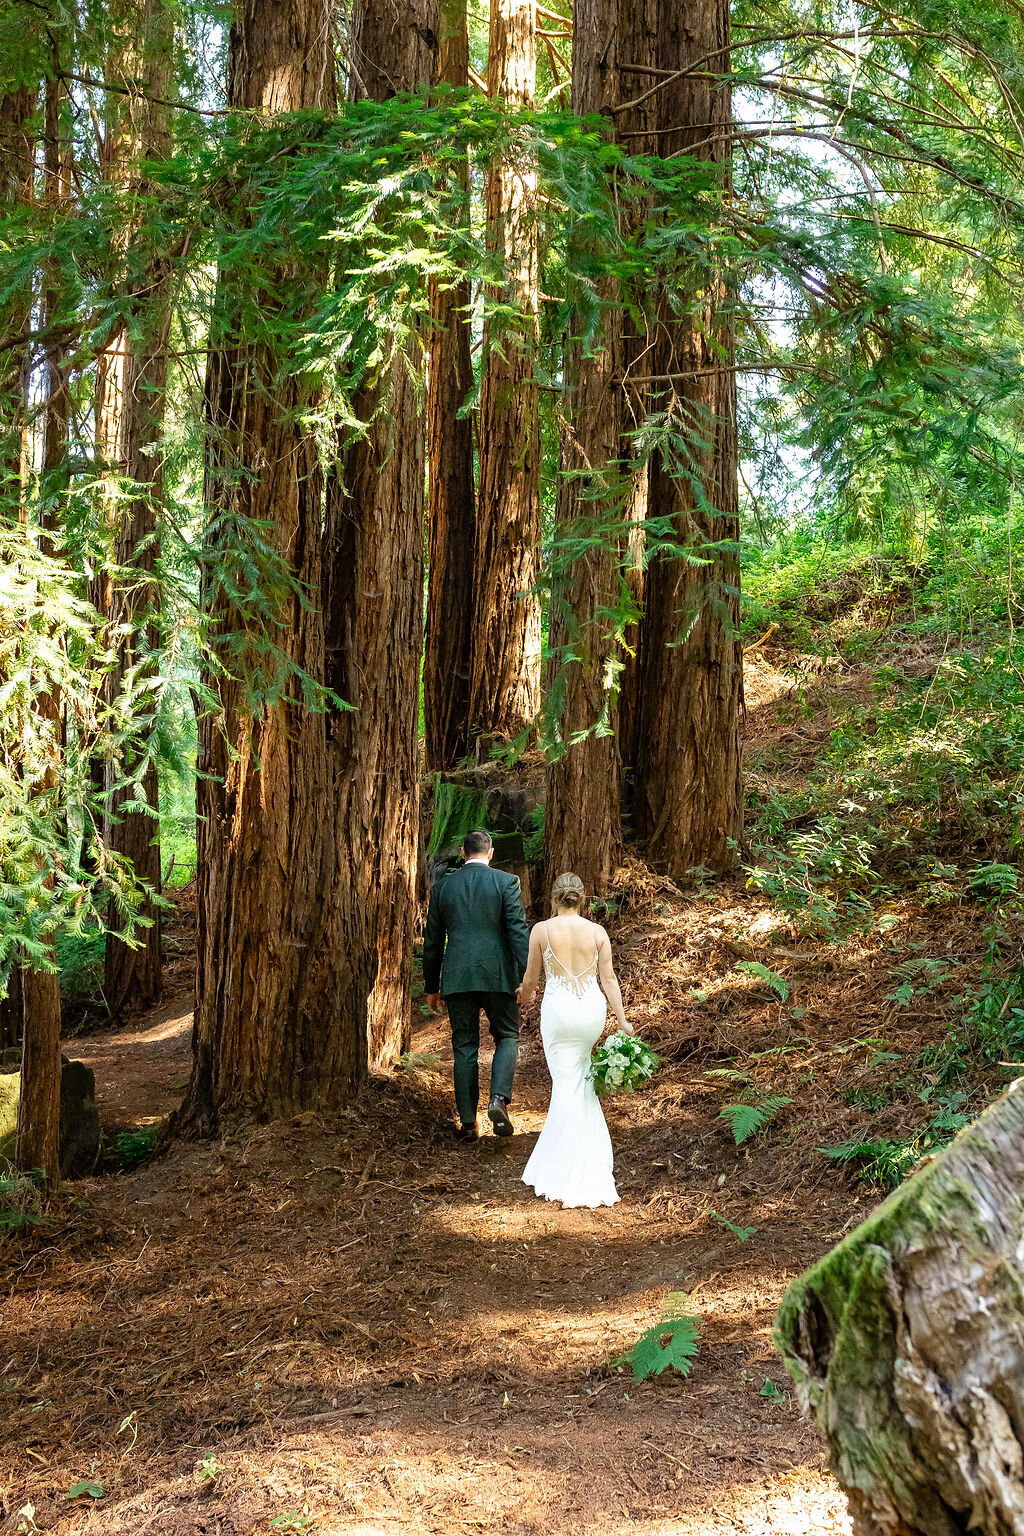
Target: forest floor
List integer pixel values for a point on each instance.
(354, 1326)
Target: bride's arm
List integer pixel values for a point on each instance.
(528, 988)
(609, 980)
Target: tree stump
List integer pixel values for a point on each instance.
(906, 1343)
(506, 809)
(79, 1117)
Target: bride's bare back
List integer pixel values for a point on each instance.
(575, 943)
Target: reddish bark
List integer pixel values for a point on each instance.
(38, 1131)
(505, 690)
(373, 583)
(688, 805)
(448, 642)
(131, 378)
(582, 823)
(268, 1031)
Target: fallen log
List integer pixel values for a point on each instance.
(906, 1343)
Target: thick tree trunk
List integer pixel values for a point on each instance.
(17, 165)
(688, 762)
(268, 1032)
(907, 1343)
(38, 1132)
(132, 375)
(448, 643)
(636, 125)
(373, 602)
(505, 691)
(582, 822)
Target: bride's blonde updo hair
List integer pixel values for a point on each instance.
(567, 891)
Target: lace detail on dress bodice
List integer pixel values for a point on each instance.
(561, 975)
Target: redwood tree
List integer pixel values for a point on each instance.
(17, 166)
(38, 1132)
(448, 642)
(131, 378)
(687, 804)
(373, 585)
(267, 1022)
(582, 822)
(505, 690)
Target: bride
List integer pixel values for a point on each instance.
(572, 1161)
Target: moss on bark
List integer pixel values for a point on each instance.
(906, 1342)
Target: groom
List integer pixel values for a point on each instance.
(479, 911)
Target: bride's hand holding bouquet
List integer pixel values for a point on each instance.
(622, 1063)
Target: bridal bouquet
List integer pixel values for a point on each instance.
(621, 1064)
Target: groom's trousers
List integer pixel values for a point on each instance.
(502, 1012)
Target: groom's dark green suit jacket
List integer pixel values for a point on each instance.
(479, 912)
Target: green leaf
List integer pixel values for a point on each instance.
(778, 984)
(88, 1486)
(743, 1234)
(671, 1343)
(746, 1120)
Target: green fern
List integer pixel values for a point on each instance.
(672, 1342)
(880, 1161)
(533, 844)
(743, 1234)
(420, 1061)
(746, 1120)
(778, 984)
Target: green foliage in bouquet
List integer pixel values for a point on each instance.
(621, 1064)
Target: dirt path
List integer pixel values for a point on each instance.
(354, 1326)
(141, 1071)
(357, 1326)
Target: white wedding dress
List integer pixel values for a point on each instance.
(572, 1161)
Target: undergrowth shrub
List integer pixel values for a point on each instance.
(672, 1343)
(897, 795)
(804, 584)
(80, 961)
(887, 1162)
(753, 1116)
(988, 1030)
(130, 1149)
(21, 1200)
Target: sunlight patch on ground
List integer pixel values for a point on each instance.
(114, 1045)
(801, 1503)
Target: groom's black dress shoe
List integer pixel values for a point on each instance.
(497, 1114)
(466, 1133)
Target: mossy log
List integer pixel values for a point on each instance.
(906, 1343)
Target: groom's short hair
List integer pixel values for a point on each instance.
(476, 842)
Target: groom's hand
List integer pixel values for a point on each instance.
(434, 1001)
